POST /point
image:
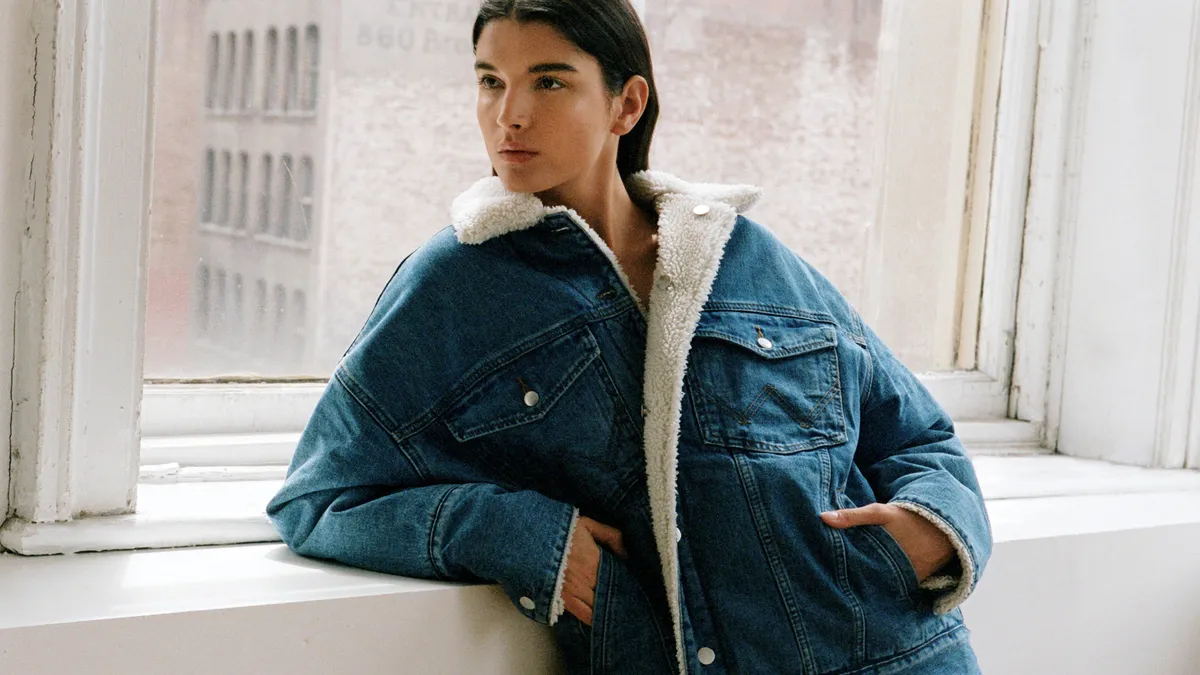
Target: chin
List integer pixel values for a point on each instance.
(520, 181)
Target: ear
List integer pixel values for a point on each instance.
(630, 104)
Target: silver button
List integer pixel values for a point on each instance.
(527, 603)
(678, 534)
(706, 655)
(764, 343)
(701, 209)
(645, 411)
(531, 398)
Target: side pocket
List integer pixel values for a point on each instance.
(881, 552)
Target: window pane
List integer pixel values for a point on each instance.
(779, 93)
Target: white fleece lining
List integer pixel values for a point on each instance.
(962, 585)
(690, 247)
(557, 606)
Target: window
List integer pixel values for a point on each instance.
(271, 75)
(203, 297)
(303, 222)
(246, 100)
(281, 313)
(312, 60)
(231, 70)
(243, 190)
(292, 78)
(300, 328)
(237, 320)
(261, 343)
(217, 319)
(264, 196)
(823, 53)
(283, 217)
(214, 70)
(210, 180)
(226, 170)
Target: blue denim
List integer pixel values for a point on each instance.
(425, 457)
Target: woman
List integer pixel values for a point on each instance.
(662, 432)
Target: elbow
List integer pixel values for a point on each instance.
(295, 517)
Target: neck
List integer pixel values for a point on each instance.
(601, 199)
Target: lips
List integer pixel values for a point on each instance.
(517, 155)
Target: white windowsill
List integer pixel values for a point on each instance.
(1018, 484)
(1088, 498)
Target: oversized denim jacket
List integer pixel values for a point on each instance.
(509, 379)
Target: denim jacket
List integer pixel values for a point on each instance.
(509, 379)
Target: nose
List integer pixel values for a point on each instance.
(514, 110)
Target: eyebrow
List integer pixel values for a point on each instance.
(533, 70)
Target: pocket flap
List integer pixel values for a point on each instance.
(524, 387)
(767, 335)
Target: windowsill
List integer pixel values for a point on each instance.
(1028, 498)
(1029, 495)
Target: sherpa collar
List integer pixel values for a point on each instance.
(487, 209)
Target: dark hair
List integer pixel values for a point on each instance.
(612, 33)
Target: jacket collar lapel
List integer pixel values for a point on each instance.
(487, 209)
(695, 222)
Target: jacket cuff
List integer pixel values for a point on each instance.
(558, 606)
(953, 588)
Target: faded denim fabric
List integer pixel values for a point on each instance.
(498, 387)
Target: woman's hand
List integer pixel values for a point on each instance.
(927, 547)
(579, 582)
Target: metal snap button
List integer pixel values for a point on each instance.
(701, 209)
(765, 343)
(531, 398)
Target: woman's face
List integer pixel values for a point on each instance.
(539, 93)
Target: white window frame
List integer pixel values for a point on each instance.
(78, 411)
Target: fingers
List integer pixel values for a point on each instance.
(577, 607)
(609, 536)
(871, 514)
(579, 589)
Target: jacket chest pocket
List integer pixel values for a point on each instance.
(548, 412)
(766, 383)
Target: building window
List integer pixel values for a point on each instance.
(230, 77)
(246, 96)
(202, 300)
(264, 196)
(226, 170)
(261, 345)
(286, 182)
(312, 62)
(217, 321)
(280, 317)
(271, 75)
(214, 69)
(292, 77)
(299, 327)
(243, 190)
(237, 321)
(209, 186)
(303, 223)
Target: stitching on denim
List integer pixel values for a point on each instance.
(838, 539)
(762, 528)
(434, 559)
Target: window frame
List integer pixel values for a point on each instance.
(92, 467)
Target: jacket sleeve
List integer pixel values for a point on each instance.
(912, 458)
(352, 494)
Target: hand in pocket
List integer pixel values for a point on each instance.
(579, 583)
(927, 547)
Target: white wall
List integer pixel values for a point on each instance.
(1114, 603)
(16, 124)
(1132, 288)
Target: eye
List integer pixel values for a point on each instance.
(548, 82)
(488, 82)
